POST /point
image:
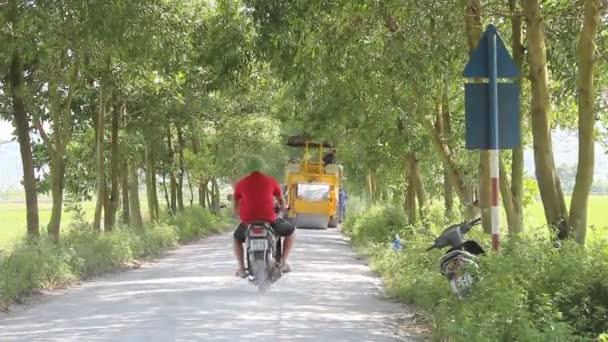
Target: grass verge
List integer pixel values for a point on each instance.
(530, 292)
(81, 253)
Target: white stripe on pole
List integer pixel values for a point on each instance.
(495, 220)
(494, 164)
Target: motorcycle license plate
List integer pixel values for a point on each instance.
(258, 245)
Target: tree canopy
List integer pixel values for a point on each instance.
(178, 93)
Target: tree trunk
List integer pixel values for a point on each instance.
(61, 118)
(373, 193)
(513, 217)
(173, 185)
(107, 211)
(166, 192)
(202, 193)
(418, 183)
(154, 188)
(57, 177)
(410, 201)
(514, 209)
(173, 192)
(444, 155)
(216, 196)
(446, 135)
(548, 181)
(135, 208)
(124, 173)
(415, 189)
(410, 192)
(149, 173)
(586, 119)
(208, 195)
(180, 176)
(56, 149)
(191, 188)
(196, 148)
(126, 213)
(471, 210)
(472, 22)
(99, 156)
(113, 200)
(21, 123)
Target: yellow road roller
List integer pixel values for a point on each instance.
(313, 184)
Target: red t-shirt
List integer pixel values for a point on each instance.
(256, 194)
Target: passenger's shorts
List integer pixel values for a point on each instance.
(281, 227)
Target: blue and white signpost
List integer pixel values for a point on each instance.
(492, 110)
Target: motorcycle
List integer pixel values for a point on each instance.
(263, 254)
(462, 254)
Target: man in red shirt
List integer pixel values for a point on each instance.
(254, 197)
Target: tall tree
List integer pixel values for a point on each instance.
(587, 60)
(100, 114)
(13, 34)
(111, 206)
(512, 195)
(180, 177)
(21, 122)
(548, 181)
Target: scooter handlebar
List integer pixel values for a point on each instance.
(475, 221)
(454, 235)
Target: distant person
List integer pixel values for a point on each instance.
(254, 201)
(330, 158)
(343, 199)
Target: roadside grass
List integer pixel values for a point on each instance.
(34, 265)
(531, 291)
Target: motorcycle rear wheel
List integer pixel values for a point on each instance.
(260, 275)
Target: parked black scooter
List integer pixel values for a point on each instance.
(462, 253)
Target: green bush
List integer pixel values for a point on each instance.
(33, 265)
(82, 252)
(530, 292)
(194, 222)
(349, 223)
(379, 224)
(157, 238)
(98, 252)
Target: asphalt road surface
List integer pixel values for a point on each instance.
(191, 294)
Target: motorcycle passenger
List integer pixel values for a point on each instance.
(254, 201)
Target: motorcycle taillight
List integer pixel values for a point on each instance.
(257, 231)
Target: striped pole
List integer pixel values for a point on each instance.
(494, 154)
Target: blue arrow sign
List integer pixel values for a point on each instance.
(492, 111)
(492, 108)
(477, 101)
(478, 65)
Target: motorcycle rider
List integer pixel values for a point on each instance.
(254, 197)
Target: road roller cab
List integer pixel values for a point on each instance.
(313, 186)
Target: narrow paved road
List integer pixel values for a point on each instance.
(192, 295)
